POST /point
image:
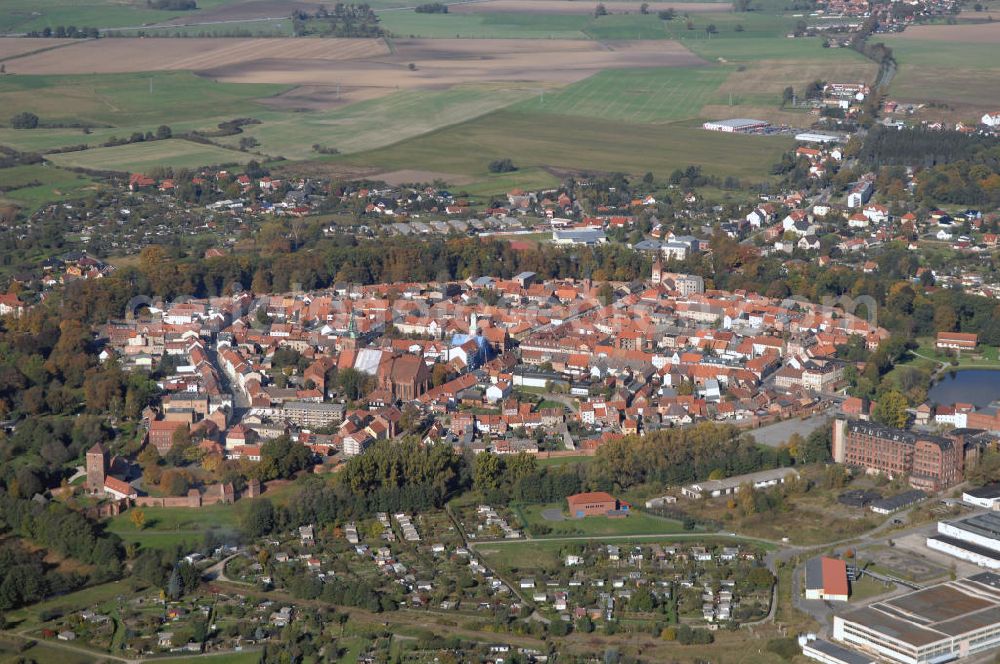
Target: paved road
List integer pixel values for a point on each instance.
(774, 435)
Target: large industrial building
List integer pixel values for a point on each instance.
(737, 125)
(931, 462)
(975, 539)
(937, 624)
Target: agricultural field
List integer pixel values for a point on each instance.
(636, 95)
(563, 7)
(376, 123)
(196, 54)
(140, 157)
(129, 100)
(488, 26)
(24, 15)
(575, 143)
(948, 64)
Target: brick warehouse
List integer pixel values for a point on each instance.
(932, 462)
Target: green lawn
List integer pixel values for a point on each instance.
(636, 523)
(564, 461)
(492, 26)
(636, 95)
(125, 100)
(491, 184)
(377, 122)
(539, 140)
(53, 184)
(141, 157)
(167, 527)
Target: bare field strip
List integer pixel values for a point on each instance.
(14, 46)
(110, 56)
(581, 8)
(442, 63)
(983, 33)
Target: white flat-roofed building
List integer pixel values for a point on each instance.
(759, 480)
(812, 137)
(986, 496)
(737, 125)
(941, 623)
(975, 539)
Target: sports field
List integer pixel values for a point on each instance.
(636, 95)
(139, 157)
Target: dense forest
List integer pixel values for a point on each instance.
(957, 168)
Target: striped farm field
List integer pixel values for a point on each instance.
(636, 95)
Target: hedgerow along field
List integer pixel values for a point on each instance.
(141, 157)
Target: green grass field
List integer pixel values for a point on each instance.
(377, 122)
(489, 184)
(125, 100)
(564, 461)
(537, 140)
(492, 26)
(279, 28)
(177, 526)
(24, 15)
(636, 95)
(52, 184)
(140, 157)
(636, 523)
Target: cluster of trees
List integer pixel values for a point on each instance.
(391, 473)
(62, 32)
(502, 166)
(24, 120)
(677, 456)
(162, 132)
(171, 272)
(345, 20)
(173, 5)
(432, 8)
(917, 146)
(24, 578)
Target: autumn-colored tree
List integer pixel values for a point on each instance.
(138, 519)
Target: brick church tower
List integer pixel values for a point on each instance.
(97, 467)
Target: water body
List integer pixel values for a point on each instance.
(980, 387)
